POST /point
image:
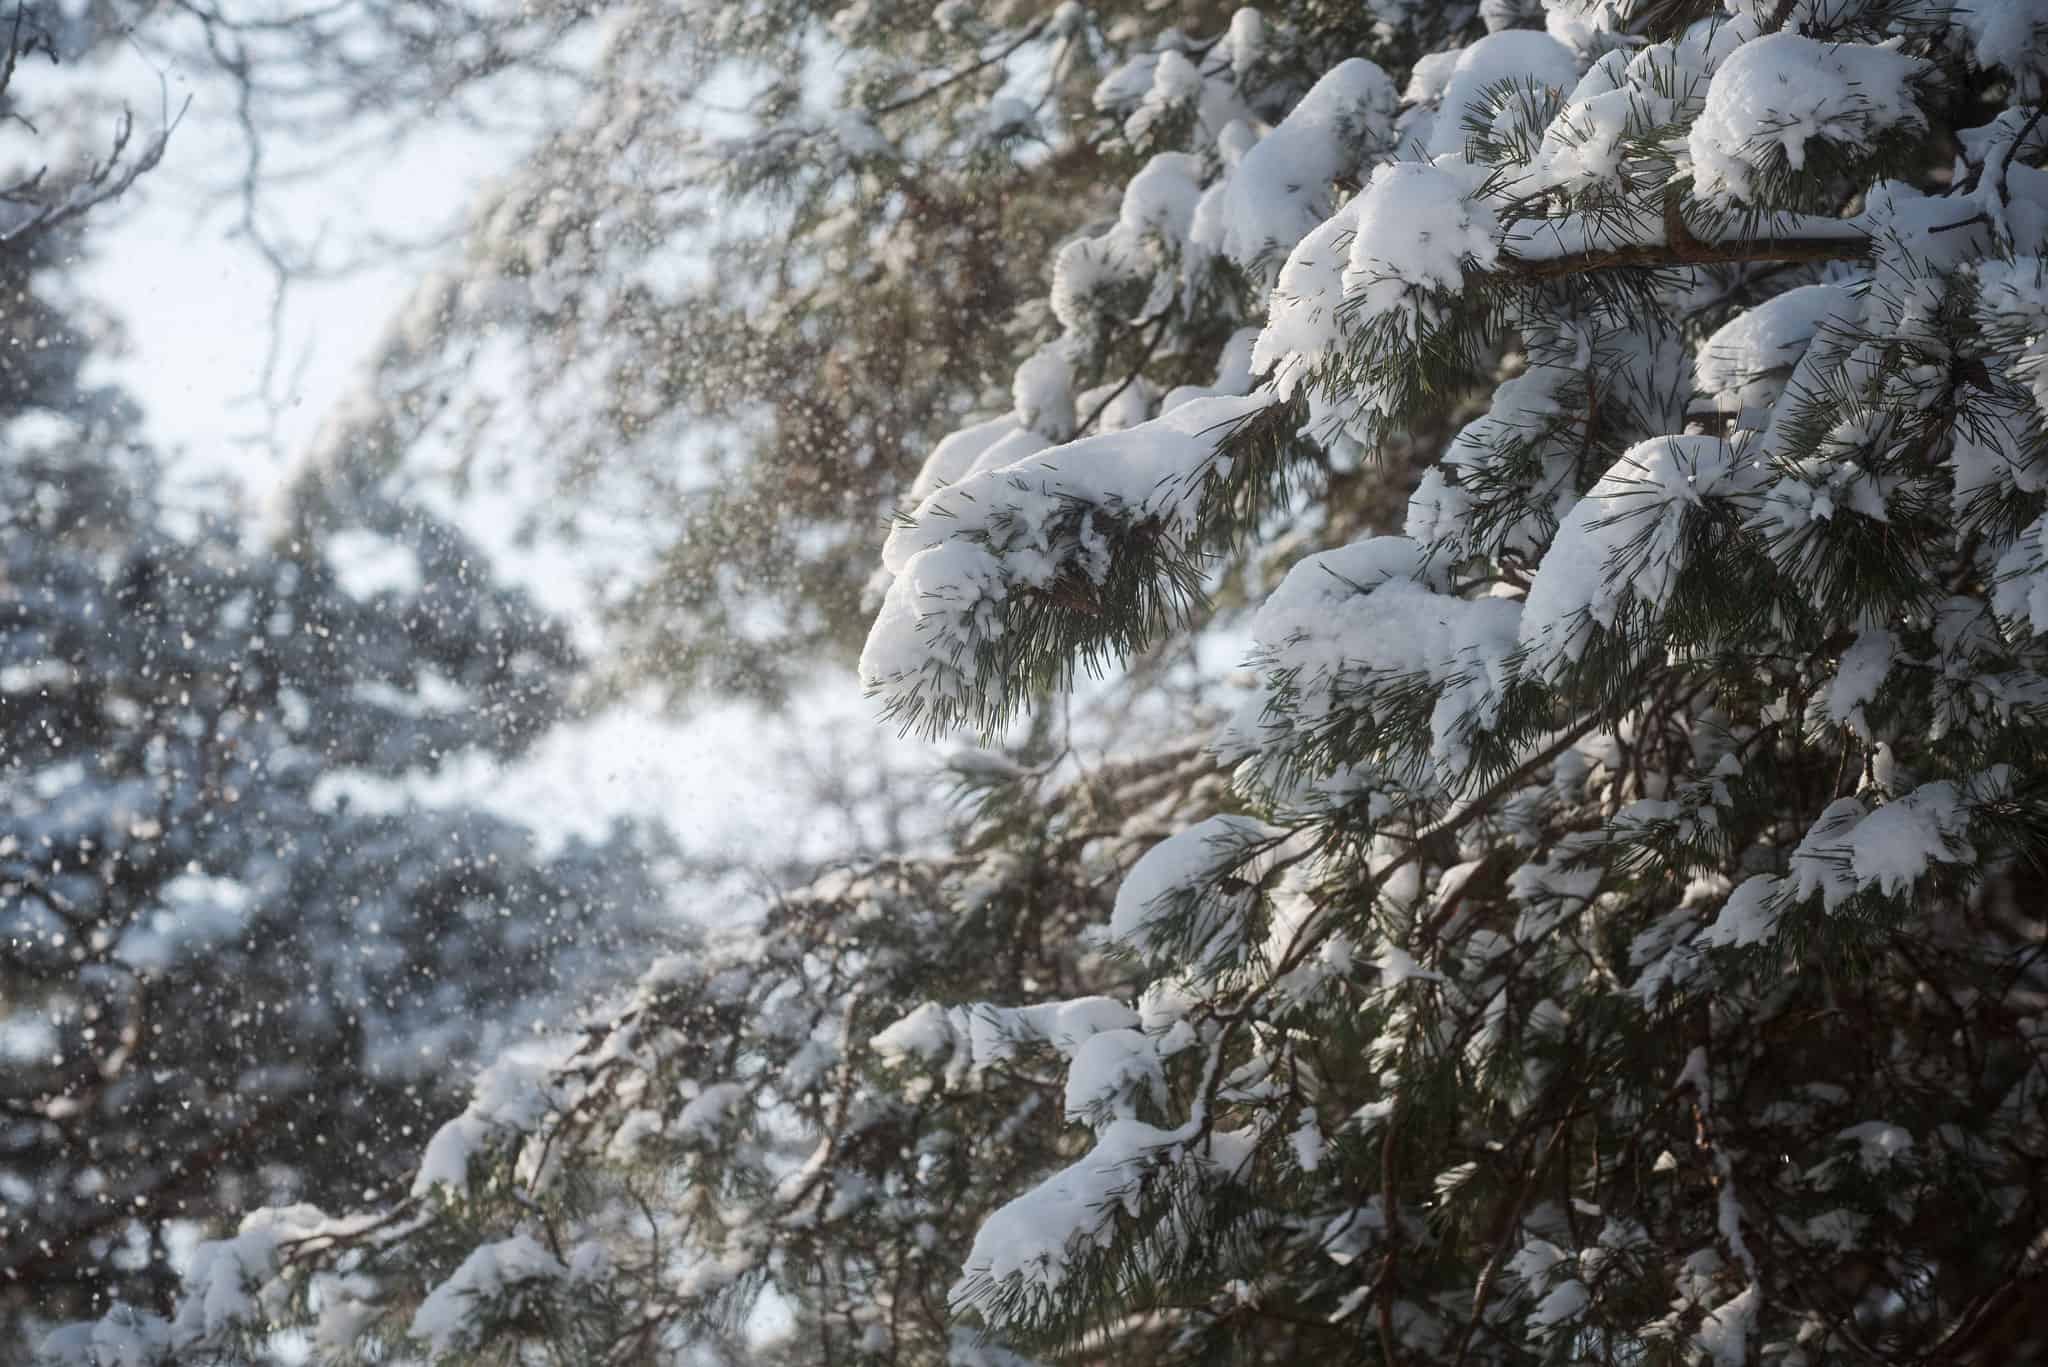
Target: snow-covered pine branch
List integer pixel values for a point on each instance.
(1750, 393)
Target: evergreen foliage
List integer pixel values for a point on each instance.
(1603, 926)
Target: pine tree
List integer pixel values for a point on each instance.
(1602, 928)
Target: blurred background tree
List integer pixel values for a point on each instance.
(237, 959)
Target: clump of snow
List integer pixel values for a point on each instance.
(1281, 189)
(1025, 527)
(1043, 391)
(1176, 91)
(1367, 615)
(197, 912)
(367, 564)
(2012, 34)
(223, 1279)
(1126, 84)
(640, 1126)
(1110, 1070)
(958, 453)
(1119, 405)
(1171, 901)
(1775, 94)
(1022, 1252)
(1392, 255)
(996, 1031)
(1419, 229)
(1862, 671)
(1744, 366)
(511, 1098)
(1623, 542)
(1892, 847)
(1537, 1262)
(1008, 116)
(1565, 1303)
(1878, 1144)
(703, 1114)
(1306, 323)
(938, 604)
(1611, 134)
(1851, 849)
(1748, 917)
(124, 1338)
(1819, 863)
(1308, 1144)
(506, 1270)
(1724, 1334)
(1531, 438)
(977, 1036)
(2012, 304)
(1992, 458)
(1583, 149)
(1152, 471)
(1149, 245)
(1518, 58)
(924, 1034)
(2020, 589)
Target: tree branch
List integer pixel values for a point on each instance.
(955, 77)
(1670, 256)
(1682, 247)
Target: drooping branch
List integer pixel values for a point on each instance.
(102, 181)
